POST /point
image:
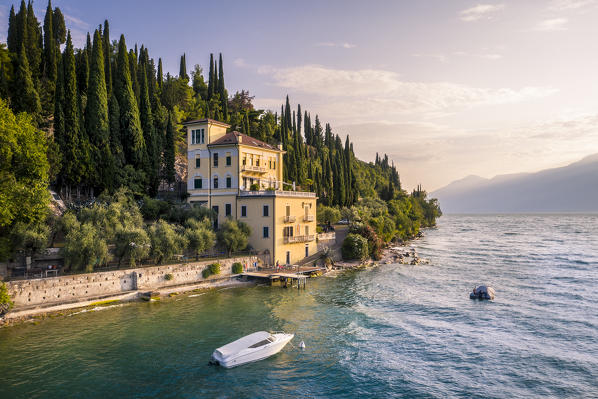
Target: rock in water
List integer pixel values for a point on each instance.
(482, 292)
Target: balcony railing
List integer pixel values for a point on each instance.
(308, 218)
(274, 193)
(291, 240)
(252, 168)
(290, 219)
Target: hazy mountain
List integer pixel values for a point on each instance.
(572, 188)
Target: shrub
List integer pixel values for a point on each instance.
(215, 268)
(355, 247)
(237, 268)
(5, 302)
(168, 276)
(212, 269)
(254, 187)
(375, 243)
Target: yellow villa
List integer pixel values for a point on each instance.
(240, 177)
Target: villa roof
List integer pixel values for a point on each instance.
(206, 120)
(240, 138)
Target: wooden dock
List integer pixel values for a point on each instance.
(286, 277)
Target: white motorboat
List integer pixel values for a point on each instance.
(251, 348)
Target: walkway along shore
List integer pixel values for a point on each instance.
(55, 294)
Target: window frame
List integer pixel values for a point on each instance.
(266, 232)
(266, 211)
(195, 185)
(243, 211)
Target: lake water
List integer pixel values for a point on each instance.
(391, 331)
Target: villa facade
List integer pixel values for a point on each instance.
(240, 177)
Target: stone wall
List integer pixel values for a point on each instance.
(74, 288)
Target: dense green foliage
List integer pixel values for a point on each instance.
(355, 247)
(237, 268)
(113, 228)
(234, 235)
(23, 177)
(327, 214)
(5, 301)
(212, 270)
(199, 235)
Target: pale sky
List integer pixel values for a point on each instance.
(446, 88)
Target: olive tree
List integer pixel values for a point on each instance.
(200, 236)
(133, 243)
(165, 241)
(85, 247)
(234, 235)
(327, 214)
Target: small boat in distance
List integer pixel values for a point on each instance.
(251, 348)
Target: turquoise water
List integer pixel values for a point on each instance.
(391, 331)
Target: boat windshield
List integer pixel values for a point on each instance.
(262, 343)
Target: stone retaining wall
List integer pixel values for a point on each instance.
(65, 289)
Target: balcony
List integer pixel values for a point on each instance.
(308, 218)
(252, 168)
(295, 239)
(290, 219)
(275, 193)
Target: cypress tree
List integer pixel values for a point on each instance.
(21, 28)
(222, 89)
(169, 172)
(299, 119)
(147, 124)
(183, 68)
(348, 173)
(116, 146)
(82, 67)
(307, 128)
(287, 114)
(58, 107)
(294, 129)
(96, 118)
(211, 78)
(49, 45)
(107, 47)
(25, 97)
(74, 151)
(11, 39)
(59, 27)
(317, 134)
(133, 73)
(130, 125)
(33, 43)
(160, 73)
